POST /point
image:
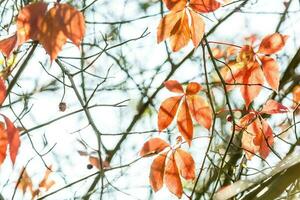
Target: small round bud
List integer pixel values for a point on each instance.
(229, 118)
(62, 106)
(89, 166)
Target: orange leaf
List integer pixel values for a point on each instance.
(13, 139)
(167, 112)
(45, 182)
(184, 122)
(2, 91)
(7, 45)
(197, 28)
(296, 94)
(271, 71)
(200, 110)
(61, 22)
(157, 171)
(204, 6)
(272, 43)
(253, 75)
(154, 145)
(175, 5)
(233, 73)
(193, 88)
(25, 182)
(265, 139)
(185, 163)
(180, 35)
(171, 177)
(173, 86)
(166, 25)
(27, 21)
(273, 107)
(3, 143)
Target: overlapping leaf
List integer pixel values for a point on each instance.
(250, 67)
(183, 23)
(51, 29)
(257, 133)
(168, 166)
(192, 105)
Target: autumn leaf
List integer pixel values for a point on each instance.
(2, 91)
(25, 182)
(192, 104)
(185, 163)
(7, 45)
(167, 111)
(184, 23)
(193, 88)
(185, 123)
(171, 177)
(60, 23)
(248, 70)
(271, 71)
(200, 110)
(174, 86)
(157, 171)
(197, 28)
(13, 139)
(180, 35)
(252, 82)
(272, 43)
(3, 142)
(273, 107)
(296, 94)
(27, 21)
(205, 6)
(175, 5)
(154, 145)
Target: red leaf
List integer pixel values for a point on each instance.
(200, 110)
(197, 28)
(173, 86)
(3, 143)
(171, 177)
(272, 43)
(233, 73)
(184, 122)
(273, 107)
(13, 139)
(296, 94)
(154, 145)
(166, 25)
(157, 171)
(167, 112)
(271, 71)
(27, 21)
(181, 34)
(2, 91)
(185, 163)
(193, 88)
(175, 5)
(204, 6)
(253, 75)
(7, 45)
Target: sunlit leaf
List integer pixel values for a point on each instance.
(272, 43)
(167, 111)
(154, 145)
(173, 86)
(171, 177)
(157, 171)
(184, 122)
(185, 164)
(273, 107)
(205, 6)
(271, 71)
